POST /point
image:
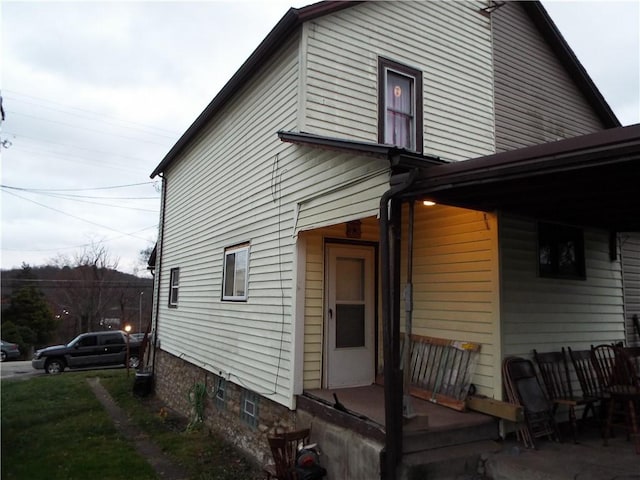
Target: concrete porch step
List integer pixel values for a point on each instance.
(459, 462)
(434, 438)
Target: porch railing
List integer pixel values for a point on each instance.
(441, 370)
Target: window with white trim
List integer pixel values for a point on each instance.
(174, 283)
(235, 275)
(399, 105)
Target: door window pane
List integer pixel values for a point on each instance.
(349, 279)
(350, 326)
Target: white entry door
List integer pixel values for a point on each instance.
(350, 316)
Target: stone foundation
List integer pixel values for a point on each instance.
(174, 378)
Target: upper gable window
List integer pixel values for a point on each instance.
(235, 278)
(399, 105)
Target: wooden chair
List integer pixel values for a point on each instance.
(283, 449)
(624, 389)
(588, 378)
(554, 370)
(523, 388)
(634, 354)
(586, 373)
(603, 358)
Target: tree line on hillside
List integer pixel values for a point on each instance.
(54, 303)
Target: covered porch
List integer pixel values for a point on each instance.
(459, 443)
(589, 182)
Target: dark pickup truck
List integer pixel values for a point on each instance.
(88, 350)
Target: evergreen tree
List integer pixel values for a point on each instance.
(29, 313)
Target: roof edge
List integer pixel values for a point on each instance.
(578, 73)
(400, 157)
(269, 45)
(571, 153)
(294, 17)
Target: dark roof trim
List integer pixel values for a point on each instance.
(399, 157)
(604, 147)
(295, 17)
(561, 48)
(271, 43)
(151, 262)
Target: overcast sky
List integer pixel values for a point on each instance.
(95, 93)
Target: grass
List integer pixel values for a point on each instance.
(53, 427)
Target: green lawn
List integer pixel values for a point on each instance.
(53, 427)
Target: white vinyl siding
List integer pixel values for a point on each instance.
(548, 314)
(630, 255)
(449, 42)
(536, 100)
(455, 278)
(314, 294)
(227, 189)
(332, 187)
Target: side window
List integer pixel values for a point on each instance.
(88, 341)
(115, 339)
(235, 275)
(174, 283)
(399, 105)
(561, 251)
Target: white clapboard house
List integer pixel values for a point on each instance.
(296, 250)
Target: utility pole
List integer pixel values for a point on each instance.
(140, 314)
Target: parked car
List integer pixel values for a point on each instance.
(88, 350)
(9, 351)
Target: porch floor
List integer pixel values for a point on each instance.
(369, 402)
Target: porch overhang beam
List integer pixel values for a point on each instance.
(590, 181)
(398, 157)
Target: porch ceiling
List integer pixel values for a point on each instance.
(593, 180)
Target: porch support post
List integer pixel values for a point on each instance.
(390, 233)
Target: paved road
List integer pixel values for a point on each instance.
(18, 370)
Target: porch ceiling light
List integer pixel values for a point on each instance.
(428, 203)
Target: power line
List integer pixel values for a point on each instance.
(85, 189)
(84, 245)
(73, 216)
(67, 145)
(101, 132)
(93, 113)
(51, 192)
(87, 202)
(75, 159)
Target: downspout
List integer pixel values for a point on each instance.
(407, 406)
(389, 243)
(158, 275)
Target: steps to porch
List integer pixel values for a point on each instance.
(438, 443)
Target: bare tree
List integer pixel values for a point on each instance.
(88, 286)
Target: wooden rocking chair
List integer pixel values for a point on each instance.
(283, 449)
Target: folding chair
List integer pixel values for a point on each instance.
(523, 388)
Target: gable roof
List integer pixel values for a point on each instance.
(287, 25)
(591, 180)
(295, 17)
